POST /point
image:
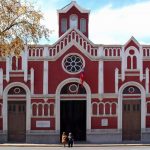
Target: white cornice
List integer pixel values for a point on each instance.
(70, 5)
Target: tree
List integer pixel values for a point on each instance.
(20, 23)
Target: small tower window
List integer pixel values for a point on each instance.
(73, 21)
(131, 60)
(63, 25)
(83, 25)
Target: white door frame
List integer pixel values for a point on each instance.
(88, 102)
(5, 105)
(143, 103)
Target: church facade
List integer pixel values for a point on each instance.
(100, 93)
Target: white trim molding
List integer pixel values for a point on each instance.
(100, 71)
(123, 64)
(88, 102)
(143, 103)
(101, 77)
(25, 63)
(70, 5)
(45, 77)
(8, 63)
(5, 105)
(32, 81)
(147, 81)
(116, 79)
(140, 60)
(1, 81)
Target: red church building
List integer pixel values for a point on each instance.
(100, 93)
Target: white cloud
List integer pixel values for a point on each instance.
(109, 25)
(116, 26)
(51, 22)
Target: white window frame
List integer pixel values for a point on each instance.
(83, 25)
(73, 23)
(63, 24)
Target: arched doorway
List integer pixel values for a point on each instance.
(16, 114)
(73, 110)
(87, 98)
(22, 95)
(131, 113)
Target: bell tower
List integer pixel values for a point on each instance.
(73, 16)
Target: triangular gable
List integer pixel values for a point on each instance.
(132, 42)
(70, 5)
(76, 38)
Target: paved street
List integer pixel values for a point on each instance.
(77, 148)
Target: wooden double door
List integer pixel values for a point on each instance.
(131, 120)
(73, 118)
(16, 121)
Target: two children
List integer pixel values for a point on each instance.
(67, 139)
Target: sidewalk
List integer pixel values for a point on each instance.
(75, 145)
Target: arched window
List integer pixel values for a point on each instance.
(14, 66)
(94, 109)
(51, 109)
(20, 63)
(101, 109)
(83, 25)
(45, 109)
(40, 109)
(34, 109)
(16, 63)
(113, 109)
(63, 25)
(131, 90)
(73, 21)
(107, 108)
(131, 60)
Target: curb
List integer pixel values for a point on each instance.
(76, 145)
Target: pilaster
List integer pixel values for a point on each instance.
(32, 81)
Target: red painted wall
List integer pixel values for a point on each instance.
(132, 43)
(96, 123)
(56, 73)
(132, 78)
(80, 15)
(38, 75)
(109, 75)
(146, 64)
(3, 66)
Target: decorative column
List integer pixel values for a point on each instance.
(116, 80)
(141, 63)
(32, 81)
(45, 72)
(8, 63)
(1, 81)
(123, 64)
(100, 72)
(147, 81)
(25, 63)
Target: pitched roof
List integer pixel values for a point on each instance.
(70, 5)
(132, 39)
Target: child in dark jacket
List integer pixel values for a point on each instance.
(70, 140)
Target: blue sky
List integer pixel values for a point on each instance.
(111, 21)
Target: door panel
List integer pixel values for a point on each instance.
(73, 118)
(131, 121)
(16, 121)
